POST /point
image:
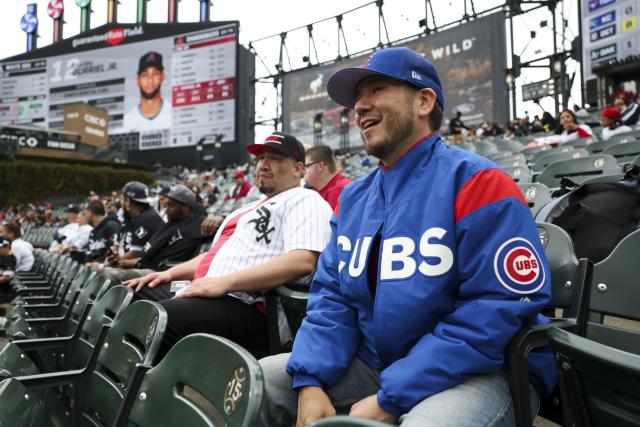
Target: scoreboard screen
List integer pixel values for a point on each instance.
(195, 68)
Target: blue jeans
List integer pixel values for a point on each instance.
(483, 400)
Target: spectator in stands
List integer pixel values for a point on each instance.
(7, 268)
(493, 129)
(321, 173)
(571, 130)
(69, 230)
(610, 120)
(21, 249)
(417, 239)
(141, 222)
(455, 128)
(210, 194)
(175, 241)
(241, 188)
(270, 242)
(629, 114)
(102, 237)
(580, 112)
(524, 127)
(548, 122)
(78, 241)
(152, 112)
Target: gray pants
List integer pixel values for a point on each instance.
(483, 400)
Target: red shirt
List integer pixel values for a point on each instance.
(239, 192)
(332, 190)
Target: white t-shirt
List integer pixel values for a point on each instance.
(134, 120)
(23, 252)
(608, 133)
(68, 231)
(80, 239)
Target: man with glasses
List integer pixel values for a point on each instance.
(322, 174)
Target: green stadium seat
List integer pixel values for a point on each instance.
(568, 291)
(578, 170)
(293, 300)
(624, 153)
(204, 380)
(26, 357)
(600, 361)
(555, 156)
(536, 194)
(519, 173)
(93, 395)
(529, 152)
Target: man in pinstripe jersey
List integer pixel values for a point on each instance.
(267, 243)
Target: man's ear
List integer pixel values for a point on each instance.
(299, 169)
(426, 100)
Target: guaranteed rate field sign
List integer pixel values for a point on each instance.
(189, 70)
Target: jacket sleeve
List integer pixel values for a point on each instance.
(489, 308)
(327, 341)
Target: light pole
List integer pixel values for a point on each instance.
(344, 130)
(317, 129)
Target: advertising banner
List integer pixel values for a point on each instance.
(470, 60)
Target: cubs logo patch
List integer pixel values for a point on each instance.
(517, 266)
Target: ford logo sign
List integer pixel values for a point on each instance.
(464, 108)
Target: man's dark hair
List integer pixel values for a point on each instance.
(322, 153)
(96, 207)
(436, 116)
(14, 229)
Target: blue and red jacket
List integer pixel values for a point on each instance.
(433, 265)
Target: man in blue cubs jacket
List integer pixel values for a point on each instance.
(433, 265)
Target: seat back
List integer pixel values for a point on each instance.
(18, 408)
(88, 294)
(536, 194)
(614, 292)
(294, 304)
(601, 382)
(519, 173)
(578, 170)
(103, 312)
(204, 380)
(555, 156)
(563, 263)
(134, 337)
(624, 152)
(484, 148)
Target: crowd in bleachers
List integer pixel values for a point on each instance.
(142, 235)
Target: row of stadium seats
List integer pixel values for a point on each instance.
(82, 353)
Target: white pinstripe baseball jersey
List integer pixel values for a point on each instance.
(294, 219)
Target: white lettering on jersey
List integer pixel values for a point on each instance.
(397, 259)
(434, 250)
(346, 247)
(360, 252)
(403, 256)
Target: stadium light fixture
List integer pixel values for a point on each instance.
(317, 129)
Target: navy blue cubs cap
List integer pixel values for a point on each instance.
(398, 63)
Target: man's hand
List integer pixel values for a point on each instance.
(210, 225)
(152, 280)
(369, 408)
(207, 287)
(313, 404)
(92, 265)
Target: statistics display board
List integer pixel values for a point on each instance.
(195, 71)
(611, 32)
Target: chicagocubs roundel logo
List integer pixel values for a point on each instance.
(517, 266)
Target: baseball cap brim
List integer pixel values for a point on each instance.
(341, 87)
(256, 149)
